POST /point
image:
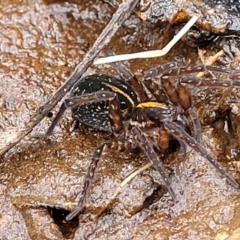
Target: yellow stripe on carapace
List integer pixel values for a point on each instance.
(117, 90)
(152, 104)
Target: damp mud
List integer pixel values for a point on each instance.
(40, 180)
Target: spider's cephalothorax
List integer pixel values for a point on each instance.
(142, 118)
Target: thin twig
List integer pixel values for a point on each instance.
(210, 61)
(149, 54)
(10, 137)
(120, 187)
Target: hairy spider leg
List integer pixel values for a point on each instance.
(126, 75)
(160, 96)
(121, 186)
(87, 182)
(117, 128)
(181, 135)
(156, 90)
(115, 116)
(55, 121)
(212, 82)
(180, 96)
(78, 101)
(123, 72)
(184, 95)
(163, 138)
(148, 149)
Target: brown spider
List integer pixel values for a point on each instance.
(151, 115)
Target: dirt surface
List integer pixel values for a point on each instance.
(40, 45)
(217, 16)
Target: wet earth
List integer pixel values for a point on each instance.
(41, 43)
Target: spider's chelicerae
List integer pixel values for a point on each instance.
(149, 115)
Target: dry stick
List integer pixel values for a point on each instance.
(210, 61)
(9, 138)
(149, 54)
(120, 187)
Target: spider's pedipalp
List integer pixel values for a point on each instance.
(183, 136)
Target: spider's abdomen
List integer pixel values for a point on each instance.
(96, 114)
(152, 114)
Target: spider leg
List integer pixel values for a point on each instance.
(126, 75)
(181, 135)
(173, 70)
(211, 82)
(121, 186)
(181, 71)
(204, 68)
(195, 81)
(77, 101)
(163, 139)
(181, 96)
(199, 82)
(153, 86)
(123, 72)
(54, 122)
(159, 70)
(117, 128)
(196, 124)
(186, 103)
(115, 116)
(87, 181)
(89, 98)
(147, 147)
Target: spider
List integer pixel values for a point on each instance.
(150, 115)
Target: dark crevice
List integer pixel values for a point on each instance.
(67, 228)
